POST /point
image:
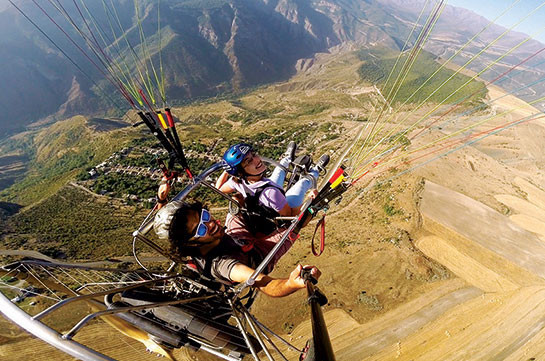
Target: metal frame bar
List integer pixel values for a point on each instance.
(70, 265)
(146, 226)
(243, 331)
(91, 316)
(219, 354)
(257, 334)
(95, 294)
(261, 267)
(290, 346)
(46, 334)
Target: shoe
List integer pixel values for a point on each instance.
(322, 162)
(290, 151)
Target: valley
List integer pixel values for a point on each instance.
(442, 262)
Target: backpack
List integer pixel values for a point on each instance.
(258, 217)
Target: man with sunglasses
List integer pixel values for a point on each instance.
(193, 232)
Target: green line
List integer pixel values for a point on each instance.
(452, 76)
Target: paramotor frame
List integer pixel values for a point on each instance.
(174, 309)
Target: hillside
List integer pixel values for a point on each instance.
(216, 47)
(56, 154)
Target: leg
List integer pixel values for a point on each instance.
(279, 175)
(296, 194)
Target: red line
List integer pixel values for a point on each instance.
(447, 145)
(487, 84)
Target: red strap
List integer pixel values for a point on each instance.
(192, 265)
(321, 222)
(293, 236)
(247, 247)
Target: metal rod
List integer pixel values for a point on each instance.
(96, 294)
(271, 343)
(243, 331)
(217, 191)
(147, 226)
(76, 266)
(52, 337)
(250, 282)
(257, 334)
(218, 354)
(152, 244)
(88, 318)
(293, 348)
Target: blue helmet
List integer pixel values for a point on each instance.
(234, 156)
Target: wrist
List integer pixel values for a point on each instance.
(162, 201)
(293, 284)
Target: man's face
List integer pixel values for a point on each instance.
(252, 164)
(214, 229)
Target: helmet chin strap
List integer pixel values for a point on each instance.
(246, 174)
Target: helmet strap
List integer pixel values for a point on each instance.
(245, 175)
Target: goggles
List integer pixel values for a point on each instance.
(202, 228)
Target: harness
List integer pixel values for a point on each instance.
(258, 217)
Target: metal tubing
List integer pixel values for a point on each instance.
(257, 334)
(153, 245)
(146, 226)
(74, 265)
(270, 341)
(96, 294)
(46, 334)
(218, 354)
(243, 332)
(250, 282)
(217, 191)
(293, 348)
(88, 318)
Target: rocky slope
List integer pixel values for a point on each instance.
(210, 47)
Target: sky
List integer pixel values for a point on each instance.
(533, 25)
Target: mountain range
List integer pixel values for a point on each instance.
(209, 47)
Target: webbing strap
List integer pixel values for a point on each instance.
(321, 225)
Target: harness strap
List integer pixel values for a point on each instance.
(321, 225)
(248, 247)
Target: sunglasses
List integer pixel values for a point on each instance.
(202, 228)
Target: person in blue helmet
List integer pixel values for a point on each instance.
(264, 198)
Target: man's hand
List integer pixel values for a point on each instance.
(273, 287)
(296, 281)
(162, 192)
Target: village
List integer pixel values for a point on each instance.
(133, 173)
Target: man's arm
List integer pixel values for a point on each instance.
(273, 287)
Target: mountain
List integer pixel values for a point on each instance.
(502, 50)
(209, 47)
